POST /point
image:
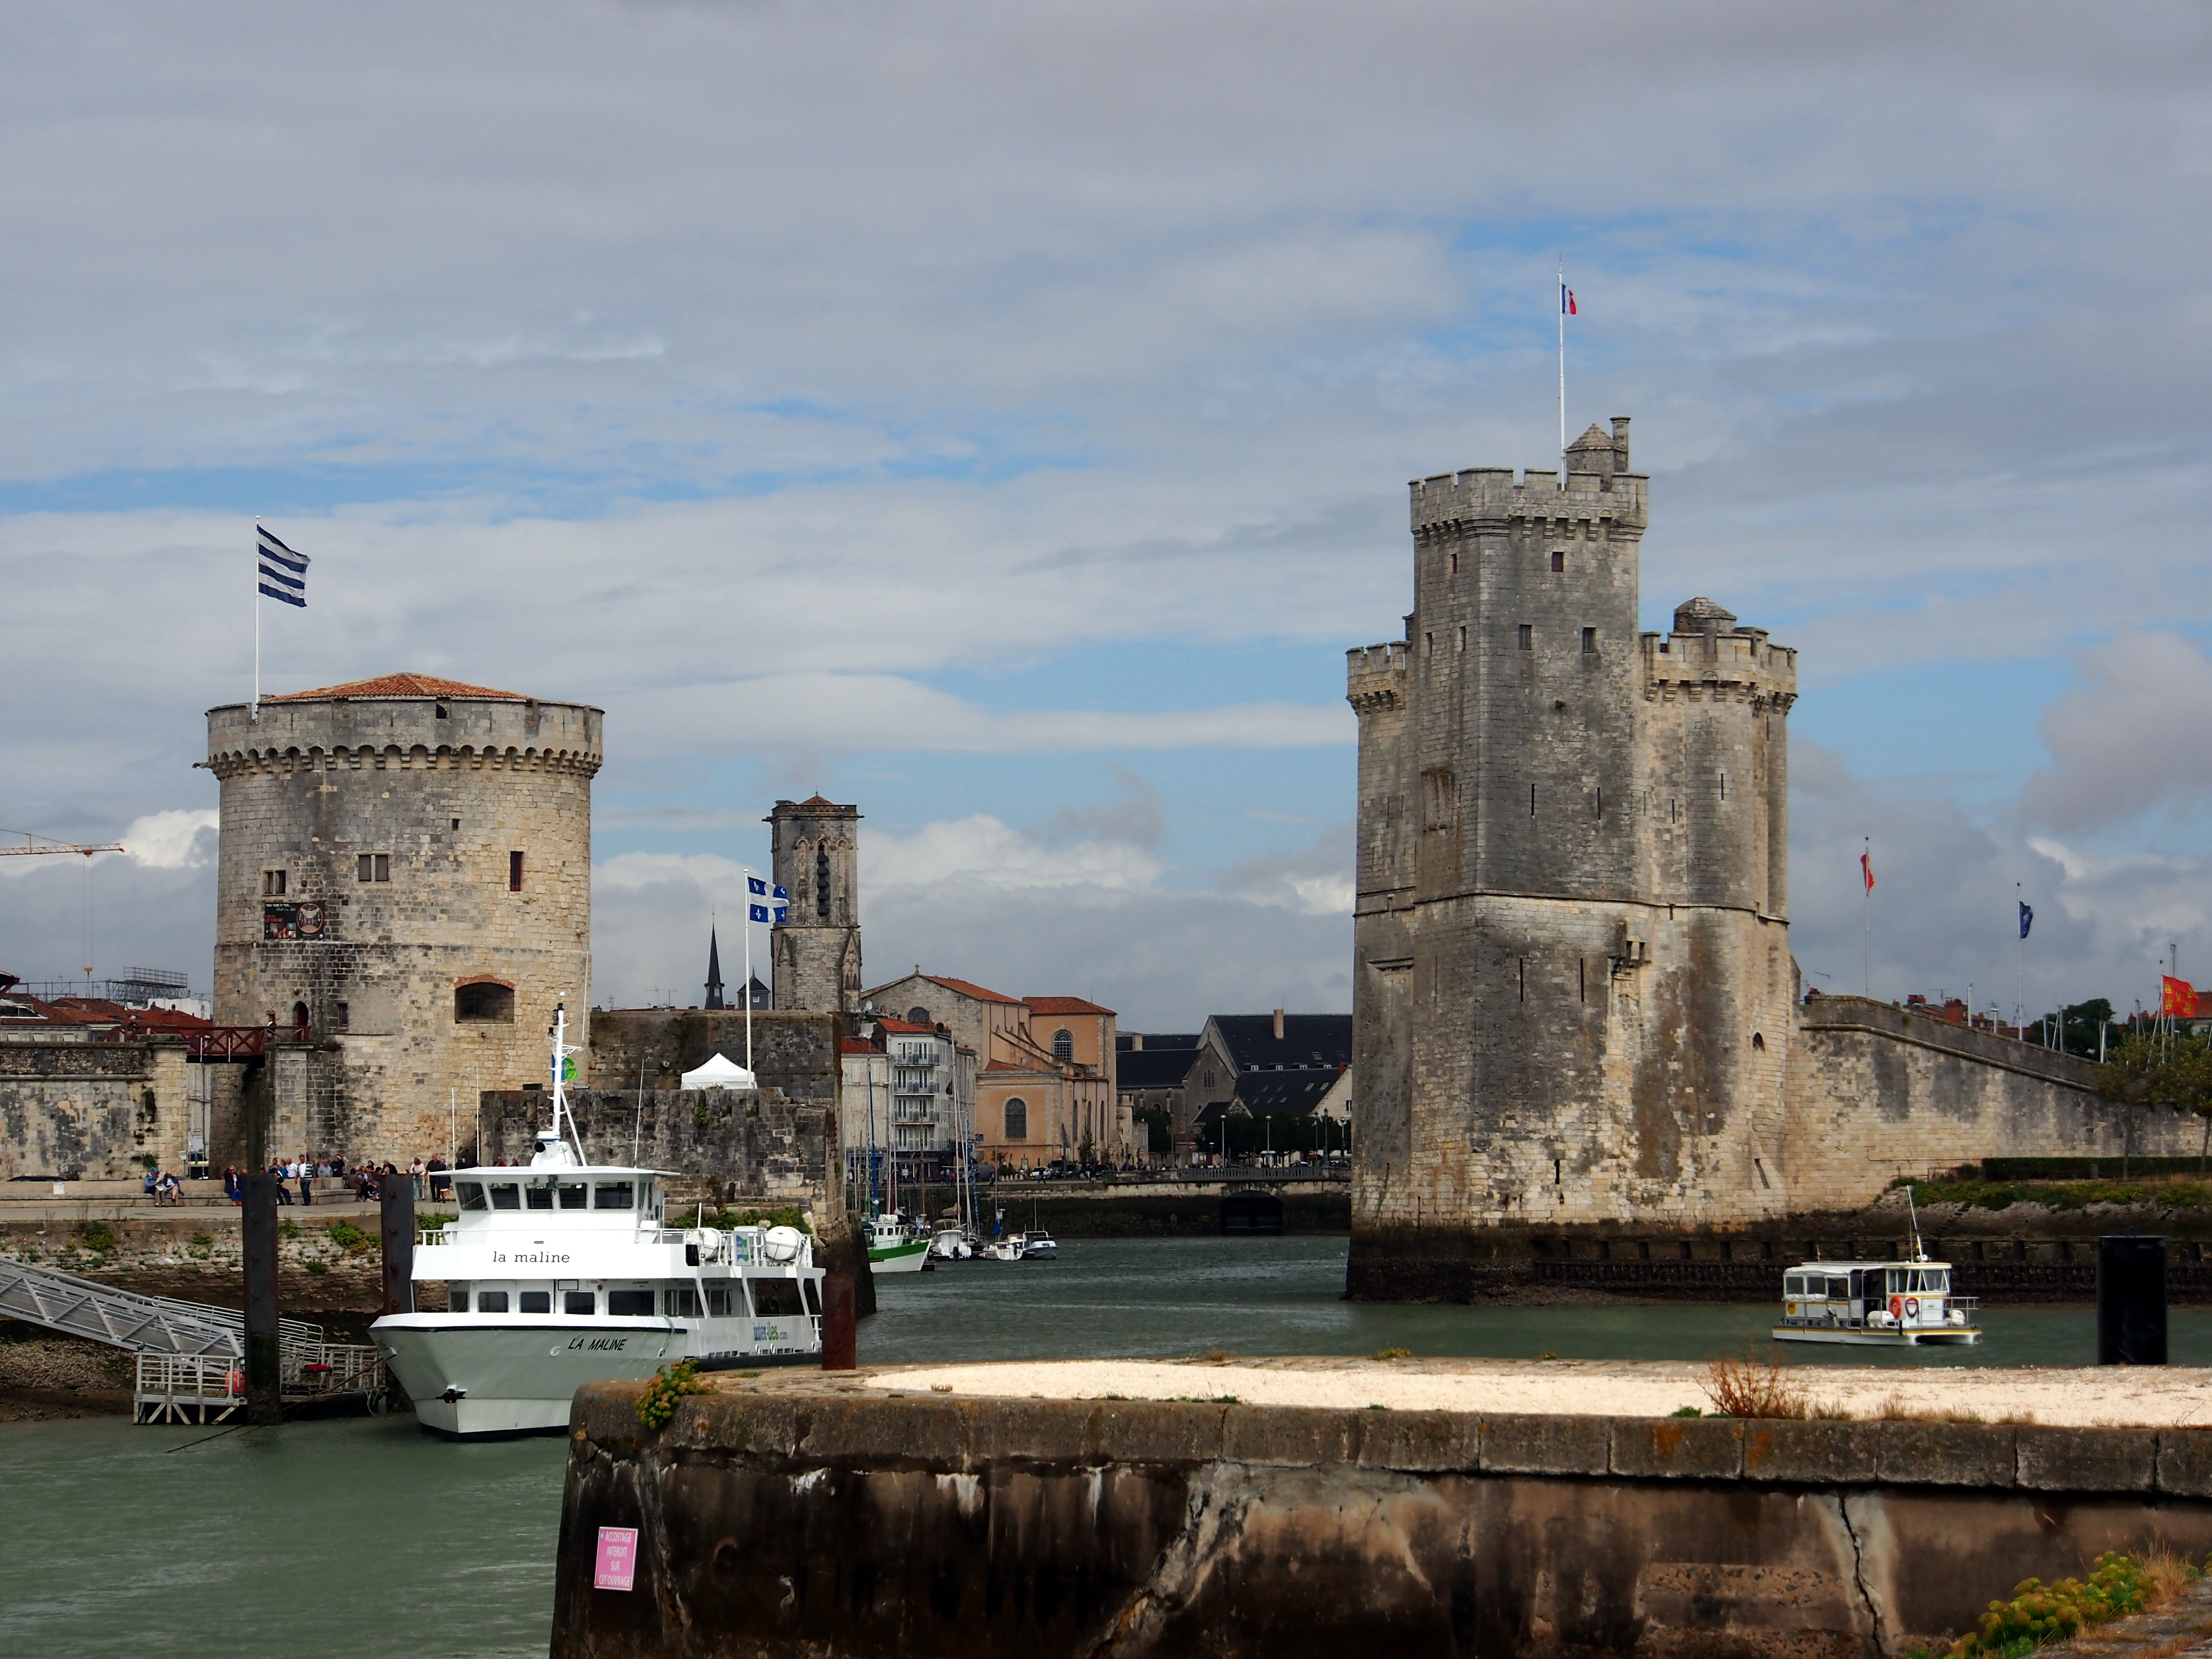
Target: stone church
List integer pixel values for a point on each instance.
(1575, 1009)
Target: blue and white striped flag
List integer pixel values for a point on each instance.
(284, 573)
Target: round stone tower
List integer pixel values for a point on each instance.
(405, 875)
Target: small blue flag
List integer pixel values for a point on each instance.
(2026, 920)
(288, 570)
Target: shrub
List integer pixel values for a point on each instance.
(288, 1231)
(318, 1267)
(1751, 1387)
(668, 1385)
(1394, 1353)
(98, 1236)
(349, 1237)
(2040, 1612)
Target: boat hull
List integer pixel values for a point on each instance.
(910, 1258)
(1964, 1335)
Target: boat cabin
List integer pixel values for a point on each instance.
(1871, 1294)
(629, 1194)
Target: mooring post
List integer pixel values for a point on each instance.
(397, 1196)
(265, 1401)
(2130, 1300)
(841, 1329)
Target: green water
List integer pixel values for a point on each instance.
(369, 1539)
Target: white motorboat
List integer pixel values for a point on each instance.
(1875, 1304)
(564, 1273)
(1003, 1249)
(951, 1245)
(1037, 1245)
(894, 1246)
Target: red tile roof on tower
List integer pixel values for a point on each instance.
(904, 1027)
(817, 800)
(967, 988)
(1063, 1005)
(403, 686)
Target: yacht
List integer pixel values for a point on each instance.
(564, 1272)
(1876, 1305)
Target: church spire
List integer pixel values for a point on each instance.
(714, 970)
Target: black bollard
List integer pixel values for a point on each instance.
(841, 1330)
(264, 1399)
(2130, 1300)
(397, 1193)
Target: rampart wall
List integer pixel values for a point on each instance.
(91, 1111)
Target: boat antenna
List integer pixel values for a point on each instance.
(1912, 1212)
(560, 1053)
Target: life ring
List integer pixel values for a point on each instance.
(1912, 1307)
(1896, 1307)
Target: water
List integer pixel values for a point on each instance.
(369, 1538)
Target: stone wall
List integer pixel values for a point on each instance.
(795, 1054)
(797, 1517)
(91, 1111)
(1876, 1092)
(439, 795)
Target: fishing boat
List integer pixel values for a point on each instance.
(894, 1246)
(564, 1272)
(1876, 1305)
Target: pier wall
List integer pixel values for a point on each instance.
(92, 1111)
(828, 1523)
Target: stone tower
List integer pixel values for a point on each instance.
(1572, 986)
(405, 872)
(817, 949)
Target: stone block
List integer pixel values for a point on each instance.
(1148, 1431)
(1421, 1442)
(1517, 1444)
(1300, 1436)
(1809, 1453)
(1678, 1448)
(2184, 1462)
(2089, 1460)
(1945, 1454)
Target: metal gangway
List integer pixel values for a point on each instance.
(191, 1356)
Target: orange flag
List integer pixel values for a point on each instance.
(2180, 998)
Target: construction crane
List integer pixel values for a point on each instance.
(34, 845)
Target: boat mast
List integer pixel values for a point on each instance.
(560, 1053)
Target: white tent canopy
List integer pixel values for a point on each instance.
(718, 1073)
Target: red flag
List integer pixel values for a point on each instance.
(2180, 998)
(1866, 869)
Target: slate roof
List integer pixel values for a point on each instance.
(401, 687)
(1126, 1041)
(1286, 1094)
(1307, 1040)
(1154, 1068)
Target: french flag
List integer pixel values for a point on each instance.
(1567, 301)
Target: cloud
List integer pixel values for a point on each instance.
(1316, 881)
(2132, 736)
(175, 839)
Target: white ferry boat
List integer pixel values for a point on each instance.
(1881, 1305)
(564, 1273)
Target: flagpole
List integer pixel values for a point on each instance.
(1563, 373)
(2019, 966)
(748, 980)
(1866, 864)
(256, 712)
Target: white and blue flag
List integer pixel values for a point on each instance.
(284, 573)
(779, 906)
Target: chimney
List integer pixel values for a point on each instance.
(1279, 1025)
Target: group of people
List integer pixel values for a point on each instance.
(164, 1188)
(368, 1178)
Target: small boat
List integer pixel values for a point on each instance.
(951, 1245)
(1875, 1304)
(1003, 1249)
(894, 1245)
(564, 1272)
(1038, 1245)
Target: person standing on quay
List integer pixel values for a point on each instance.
(414, 1174)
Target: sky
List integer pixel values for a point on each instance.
(999, 416)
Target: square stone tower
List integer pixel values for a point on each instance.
(816, 855)
(1573, 982)
(404, 876)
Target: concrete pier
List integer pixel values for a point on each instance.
(900, 1513)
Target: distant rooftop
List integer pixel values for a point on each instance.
(390, 686)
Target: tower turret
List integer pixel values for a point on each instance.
(816, 949)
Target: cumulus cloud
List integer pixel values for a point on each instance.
(2132, 736)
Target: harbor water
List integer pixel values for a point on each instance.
(369, 1538)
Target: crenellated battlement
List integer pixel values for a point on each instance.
(1739, 663)
(1491, 495)
(1375, 676)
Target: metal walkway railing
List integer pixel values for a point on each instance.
(123, 1319)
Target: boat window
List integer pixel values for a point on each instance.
(491, 1301)
(471, 1194)
(630, 1304)
(457, 1295)
(1840, 1289)
(539, 1194)
(722, 1303)
(534, 1301)
(614, 1195)
(576, 1195)
(812, 1291)
(1897, 1278)
(506, 1196)
(580, 1302)
(1793, 1285)
(776, 1298)
(684, 1301)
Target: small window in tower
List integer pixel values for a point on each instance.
(822, 881)
(1462, 636)
(374, 867)
(1758, 1042)
(1559, 558)
(1455, 564)
(272, 884)
(344, 1016)
(1590, 642)
(1528, 632)
(1428, 642)
(514, 872)
(442, 711)
(1524, 978)
(456, 823)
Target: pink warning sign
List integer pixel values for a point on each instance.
(617, 1564)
